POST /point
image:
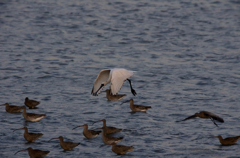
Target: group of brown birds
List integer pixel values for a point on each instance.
(31, 137)
(89, 134)
(106, 130)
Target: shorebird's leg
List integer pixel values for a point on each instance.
(132, 90)
(214, 122)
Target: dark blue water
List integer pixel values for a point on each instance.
(186, 54)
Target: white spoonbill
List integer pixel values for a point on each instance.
(116, 76)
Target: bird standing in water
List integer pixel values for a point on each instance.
(228, 141)
(136, 108)
(31, 103)
(205, 115)
(108, 129)
(121, 149)
(116, 76)
(34, 152)
(66, 145)
(32, 117)
(111, 97)
(107, 139)
(31, 137)
(12, 108)
(88, 133)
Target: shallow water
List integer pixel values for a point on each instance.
(185, 54)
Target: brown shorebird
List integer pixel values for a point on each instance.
(34, 152)
(107, 139)
(136, 108)
(112, 97)
(121, 149)
(88, 133)
(31, 137)
(108, 129)
(12, 108)
(31, 103)
(32, 117)
(205, 115)
(227, 141)
(66, 145)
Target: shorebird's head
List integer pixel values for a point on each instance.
(131, 100)
(6, 104)
(24, 150)
(85, 125)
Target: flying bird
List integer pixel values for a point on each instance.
(205, 115)
(116, 76)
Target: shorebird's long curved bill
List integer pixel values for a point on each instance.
(125, 102)
(77, 127)
(97, 121)
(17, 129)
(52, 139)
(20, 151)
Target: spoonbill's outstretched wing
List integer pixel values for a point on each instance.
(102, 77)
(118, 78)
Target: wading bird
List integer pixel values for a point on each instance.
(88, 133)
(31, 137)
(34, 152)
(116, 76)
(136, 108)
(108, 129)
(227, 141)
(32, 117)
(107, 139)
(31, 103)
(66, 145)
(12, 108)
(205, 115)
(111, 97)
(121, 149)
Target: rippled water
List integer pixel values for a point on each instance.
(186, 54)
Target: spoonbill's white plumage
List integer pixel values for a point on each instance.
(116, 76)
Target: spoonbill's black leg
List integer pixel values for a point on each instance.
(132, 90)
